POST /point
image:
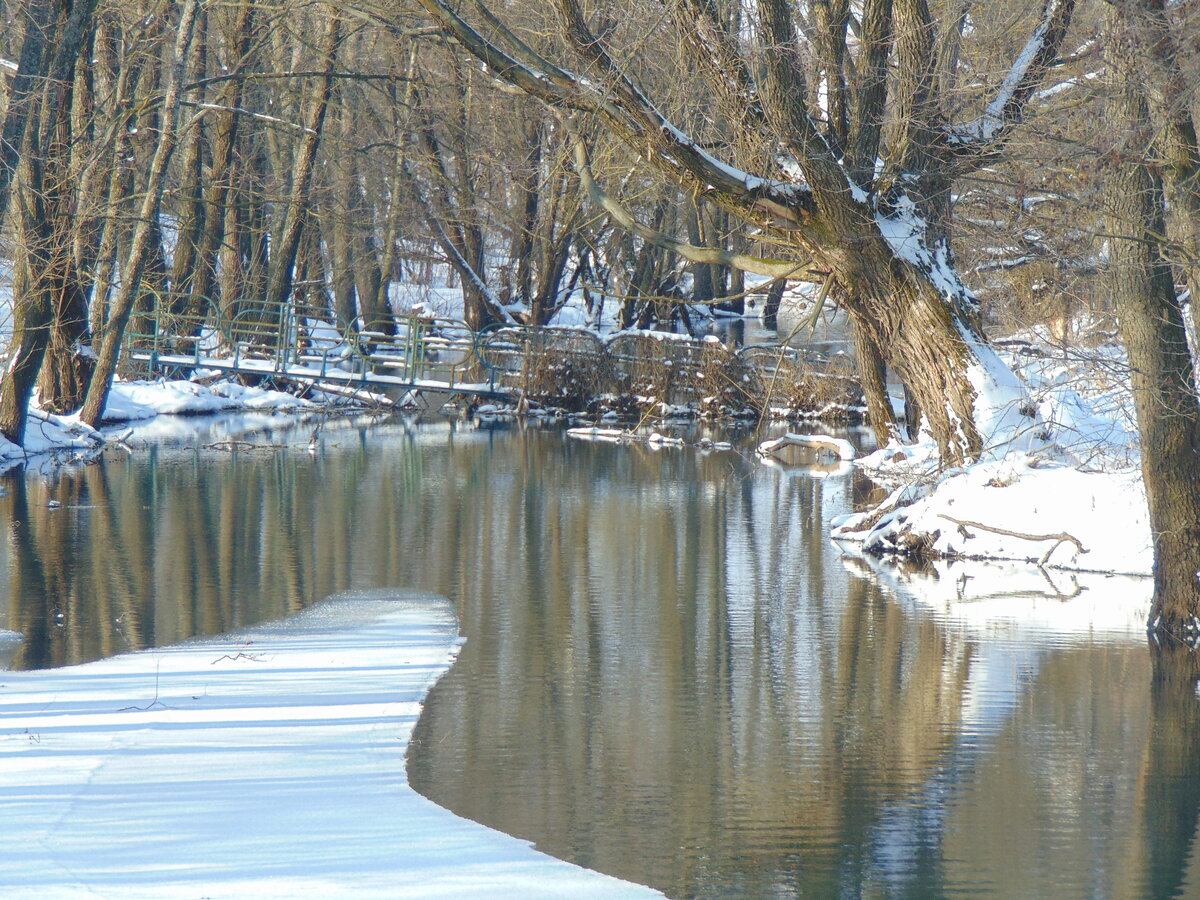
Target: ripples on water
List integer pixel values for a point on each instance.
(671, 674)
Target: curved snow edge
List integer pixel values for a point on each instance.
(266, 763)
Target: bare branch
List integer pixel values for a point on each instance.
(1060, 538)
(1007, 107)
(713, 255)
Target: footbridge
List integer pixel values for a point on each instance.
(427, 360)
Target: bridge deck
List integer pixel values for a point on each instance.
(313, 372)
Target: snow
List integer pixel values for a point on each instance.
(135, 400)
(49, 435)
(263, 764)
(1104, 511)
(1000, 398)
(1075, 472)
(598, 434)
(994, 117)
(840, 447)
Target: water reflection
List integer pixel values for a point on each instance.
(671, 674)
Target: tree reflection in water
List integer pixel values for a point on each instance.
(670, 674)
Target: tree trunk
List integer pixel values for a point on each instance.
(933, 348)
(283, 254)
(1142, 36)
(872, 376)
(770, 311)
(368, 276)
(68, 363)
(702, 280)
(1164, 390)
(526, 225)
(23, 92)
(185, 262)
(141, 246)
(222, 170)
(36, 275)
(336, 228)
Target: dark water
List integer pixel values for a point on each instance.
(671, 675)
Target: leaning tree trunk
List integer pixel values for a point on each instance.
(1164, 389)
(929, 340)
(872, 376)
(283, 256)
(141, 246)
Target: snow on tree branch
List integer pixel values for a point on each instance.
(1008, 105)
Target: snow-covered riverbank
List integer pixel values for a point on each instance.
(48, 436)
(264, 764)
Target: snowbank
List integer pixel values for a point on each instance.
(265, 764)
(137, 401)
(1018, 508)
(133, 400)
(1067, 493)
(47, 433)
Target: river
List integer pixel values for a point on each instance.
(670, 674)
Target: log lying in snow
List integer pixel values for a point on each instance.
(1059, 539)
(801, 449)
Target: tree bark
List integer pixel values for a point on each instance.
(37, 276)
(186, 262)
(23, 92)
(283, 253)
(1164, 389)
(222, 170)
(141, 245)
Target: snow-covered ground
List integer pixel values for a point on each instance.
(59, 437)
(263, 764)
(1067, 493)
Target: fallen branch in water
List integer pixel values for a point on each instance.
(1061, 538)
(232, 445)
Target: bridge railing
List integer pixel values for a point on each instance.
(567, 367)
(285, 338)
(175, 331)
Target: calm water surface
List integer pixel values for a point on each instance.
(671, 675)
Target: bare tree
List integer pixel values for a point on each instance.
(141, 246)
(40, 271)
(283, 253)
(854, 172)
